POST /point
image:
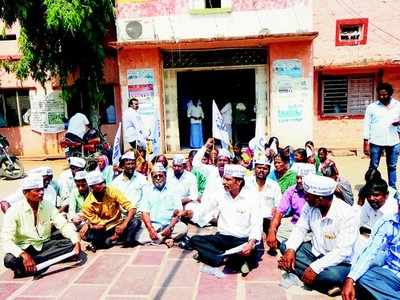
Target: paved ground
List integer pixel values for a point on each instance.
(155, 272)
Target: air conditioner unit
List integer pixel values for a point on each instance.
(136, 30)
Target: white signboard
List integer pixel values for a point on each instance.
(47, 112)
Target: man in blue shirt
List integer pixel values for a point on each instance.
(376, 272)
(381, 122)
(159, 211)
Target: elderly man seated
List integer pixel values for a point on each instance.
(323, 263)
(160, 211)
(239, 223)
(102, 210)
(26, 232)
(369, 279)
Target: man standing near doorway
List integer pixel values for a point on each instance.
(381, 125)
(133, 125)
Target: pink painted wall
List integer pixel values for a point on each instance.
(383, 37)
(152, 8)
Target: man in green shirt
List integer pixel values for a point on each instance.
(77, 197)
(26, 232)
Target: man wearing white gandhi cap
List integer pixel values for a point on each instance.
(66, 179)
(105, 226)
(159, 211)
(267, 189)
(26, 233)
(239, 222)
(213, 174)
(324, 262)
(182, 182)
(130, 182)
(50, 193)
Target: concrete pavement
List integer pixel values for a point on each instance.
(155, 272)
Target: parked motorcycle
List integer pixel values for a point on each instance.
(10, 166)
(94, 143)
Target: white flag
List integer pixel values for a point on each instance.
(117, 147)
(218, 128)
(155, 137)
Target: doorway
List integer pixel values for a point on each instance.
(235, 86)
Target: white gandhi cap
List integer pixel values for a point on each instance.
(234, 171)
(33, 181)
(319, 185)
(94, 177)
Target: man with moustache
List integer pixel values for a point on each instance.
(239, 223)
(130, 182)
(268, 190)
(159, 211)
(323, 263)
(381, 131)
(105, 226)
(26, 232)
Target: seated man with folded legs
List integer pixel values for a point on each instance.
(239, 222)
(323, 263)
(159, 210)
(102, 210)
(26, 232)
(375, 274)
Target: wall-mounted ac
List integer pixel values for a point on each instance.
(135, 29)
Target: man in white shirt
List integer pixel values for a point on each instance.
(378, 203)
(196, 115)
(381, 131)
(214, 176)
(239, 223)
(130, 182)
(66, 179)
(324, 263)
(133, 125)
(268, 190)
(182, 182)
(78, 125)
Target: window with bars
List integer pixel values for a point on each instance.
(346, 95)
(14, 107)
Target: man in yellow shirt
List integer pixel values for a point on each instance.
(26, 232)
(105, 226)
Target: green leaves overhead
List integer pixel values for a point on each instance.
(62, 37)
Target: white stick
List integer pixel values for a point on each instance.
(234, 250)
(54, 260)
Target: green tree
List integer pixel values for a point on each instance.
(63, 39)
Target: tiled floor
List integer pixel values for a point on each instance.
(149, 272)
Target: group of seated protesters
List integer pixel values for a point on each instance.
(291, 201)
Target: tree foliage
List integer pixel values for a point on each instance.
(62, 39)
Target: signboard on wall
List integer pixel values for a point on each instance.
(141, 86)
(47, 112)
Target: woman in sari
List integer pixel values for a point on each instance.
(282, 173)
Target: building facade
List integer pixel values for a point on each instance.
(358, 45)
(255, 55)
(295, 69)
